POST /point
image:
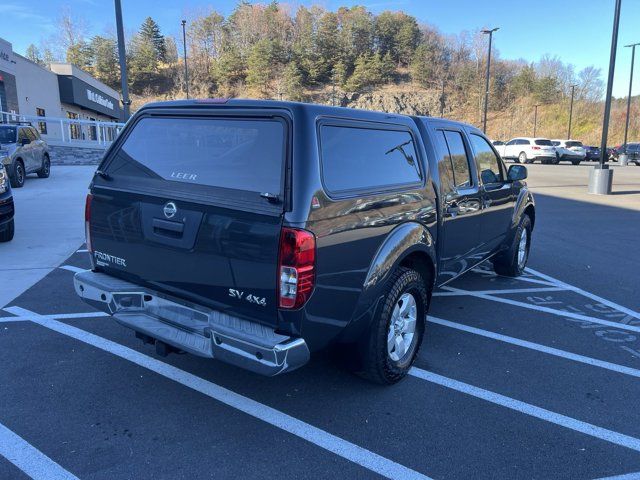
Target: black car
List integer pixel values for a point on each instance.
(632, 151)
(7, 226)
(256, 232)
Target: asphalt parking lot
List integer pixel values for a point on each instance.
(535, 377)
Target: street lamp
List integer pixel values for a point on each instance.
(184, 46)
(486, 87)
(573, 89)
(601, 177)
(123, 61)
(623, 161)
(535, 119)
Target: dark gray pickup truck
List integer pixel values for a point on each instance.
(256, 232)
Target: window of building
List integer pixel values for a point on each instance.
(360, 158)
(42, 126)
(74, 128)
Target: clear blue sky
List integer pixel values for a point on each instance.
(577, 31)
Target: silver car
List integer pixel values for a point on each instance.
(23, 151)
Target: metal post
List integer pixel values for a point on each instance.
(573, 89)
(123, 61)
(535, 119)
(184, 46)
(486, 88)
(626, 123)
(601, 177)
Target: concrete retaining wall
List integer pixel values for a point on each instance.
(73, 155)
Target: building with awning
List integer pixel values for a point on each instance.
(69, 98)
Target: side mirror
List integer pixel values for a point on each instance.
(25, 141)
(517, 173)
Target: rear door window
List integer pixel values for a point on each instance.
(243, 154)
(459, 159)
(360, 158)
(544, 142)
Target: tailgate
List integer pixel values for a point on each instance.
(181, 210)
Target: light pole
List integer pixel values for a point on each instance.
(184, 46)
(626, 123)
(535, 118)
(486, 85)
(601, 177)
(123, 61)
(573, 89)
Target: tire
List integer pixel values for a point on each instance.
(576, 162)
(380, 360)
(7, 234)
(556, 160)
(45, 171)
(522, 158)
(17, 179)
(510, 263)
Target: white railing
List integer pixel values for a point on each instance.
(68, 130)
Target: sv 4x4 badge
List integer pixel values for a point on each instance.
(233, 293)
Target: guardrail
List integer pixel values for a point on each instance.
(68, 130)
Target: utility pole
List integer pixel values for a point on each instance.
(486, 88)
(122, 55)
(573, 89)
(184, 47)
(442, 100)
(601, 177)
(535, 119)
(626, 123)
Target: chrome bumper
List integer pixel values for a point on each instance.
(192, 328)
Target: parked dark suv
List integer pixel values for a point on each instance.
(257, 231)
(7, 227)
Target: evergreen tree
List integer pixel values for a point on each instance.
(150, 31)
(260, 68)
(293, 82)
(105, 59)
(80, 55)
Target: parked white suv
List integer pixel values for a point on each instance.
(569, 150)
(528, 150)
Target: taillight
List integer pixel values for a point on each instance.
(87, 221)
(296, 267)
(535, 148)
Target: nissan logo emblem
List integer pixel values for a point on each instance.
(170, 210)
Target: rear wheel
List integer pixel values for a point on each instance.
(392, 342)
(45, 170)
(7, 234)
(513, 261)
(576, 162)
(17, 179)
(522, 158)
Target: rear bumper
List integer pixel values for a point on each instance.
(193, 328)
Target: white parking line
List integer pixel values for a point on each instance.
(499, 291)
(29, 459)
(522, 278)
(536, 346)
(590, 295)
(343, 448)
(71, 268)
(528, 409)
(553, 311)
(60, 316)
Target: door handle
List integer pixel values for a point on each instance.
(167, 228)
(453, 209)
